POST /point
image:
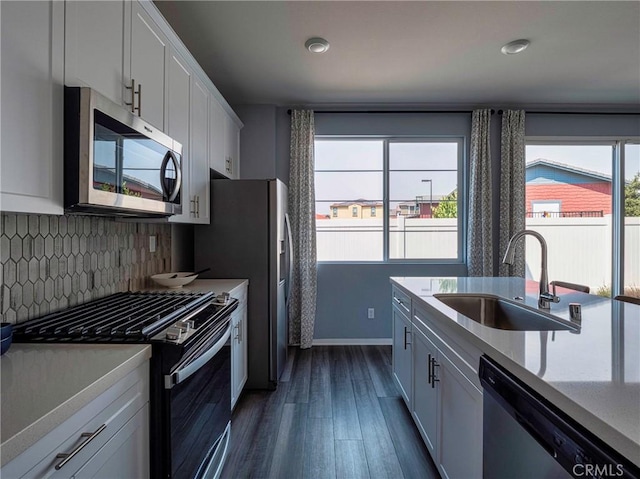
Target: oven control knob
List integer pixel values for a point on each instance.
(173, 334)
(189, 324)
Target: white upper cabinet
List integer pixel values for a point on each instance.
(224, 141)
(217, 137)
(94, 46)
(149, 59)
(232, 147)
(32, 68)
(179, 110)
(126, 51)
(199, 159)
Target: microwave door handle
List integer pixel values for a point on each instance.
(170, 195)
(189, 369)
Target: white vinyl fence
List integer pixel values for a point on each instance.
(579, 248)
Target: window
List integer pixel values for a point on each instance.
(570, 201)
(409, 188)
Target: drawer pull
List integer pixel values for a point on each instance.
(66, 457)
(406, 343)
(432, 372)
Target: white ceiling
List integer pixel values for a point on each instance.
(416, 52)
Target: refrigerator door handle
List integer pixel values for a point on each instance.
(287, 223)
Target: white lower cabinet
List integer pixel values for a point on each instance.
(239, 364)
(445, 395)
(460, 420)
(425, 393)
(107, 438)
(402, 364)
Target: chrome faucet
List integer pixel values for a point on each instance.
(545, 297)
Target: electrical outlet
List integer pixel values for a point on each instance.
(152, 244)
(371, 313)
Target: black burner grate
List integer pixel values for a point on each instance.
(122, 316)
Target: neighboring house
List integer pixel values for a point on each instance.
(357, 209)
(421, 208)
(555, 189)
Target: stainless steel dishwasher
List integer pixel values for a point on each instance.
(526, 437)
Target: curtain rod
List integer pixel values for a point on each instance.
(500, 112)
(391, 111)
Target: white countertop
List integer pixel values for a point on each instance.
(42, 385)
(593, 376)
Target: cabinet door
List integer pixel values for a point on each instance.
(126, 454)
(217, 136)
(460, 436)
(32, 68)
(94, 46)
(232, 147)
(199, 159)
(425, 393)
(402, 354)
(149, 59)
(179, 106)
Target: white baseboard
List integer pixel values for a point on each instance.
(353, 342)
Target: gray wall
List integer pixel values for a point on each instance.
(345, 291)
(257, 141)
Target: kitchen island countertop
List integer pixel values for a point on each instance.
(593, 376)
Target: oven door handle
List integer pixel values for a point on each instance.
(187, 370)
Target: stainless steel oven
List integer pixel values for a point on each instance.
(115, 162)
(196, 412)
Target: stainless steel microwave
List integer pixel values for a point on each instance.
(116, 163)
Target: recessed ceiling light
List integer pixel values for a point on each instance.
(317, 45)
(515, 46)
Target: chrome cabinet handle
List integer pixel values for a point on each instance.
(192, 208)
(66, 457)
(399, 301)
(197, 206)
(133, 97)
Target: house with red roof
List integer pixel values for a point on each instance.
(559, 190)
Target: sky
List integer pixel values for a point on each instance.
(591, 157)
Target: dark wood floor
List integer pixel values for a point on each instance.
(336, 414)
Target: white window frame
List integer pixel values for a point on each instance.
(462, 182)
(617, 191)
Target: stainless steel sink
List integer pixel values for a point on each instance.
(500, 313)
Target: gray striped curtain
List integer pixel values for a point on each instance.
(480, 242)
(302, 295)
(512, 188)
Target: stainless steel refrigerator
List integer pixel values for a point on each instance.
(249, 238)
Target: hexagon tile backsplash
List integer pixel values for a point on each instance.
(53, 262)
